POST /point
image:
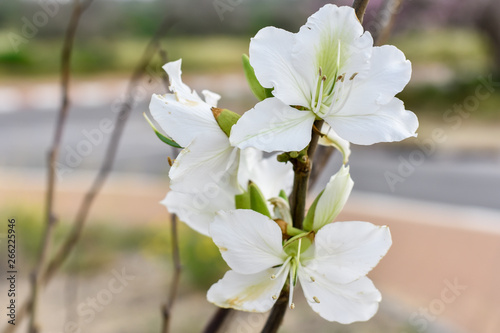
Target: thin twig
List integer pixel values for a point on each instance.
(84, 209)
(111, 151)
(217, 320)
(174, 285)
(50, 219)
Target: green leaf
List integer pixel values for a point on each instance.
(226, 119)
(309, 220)
(259, 91)
(162, 137)
(283, 196)
(242, 200)
(257, 201)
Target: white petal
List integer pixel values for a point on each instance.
(198, 209)
(268, 174)
(211, 98)
(343, 303)
(273, 126)
(346, 251)
(178, 87)
(249, 242)
(247, 292)
(208, 159)
(183, 120)
(388, 74)
(332, 139)
(333, 40)
(270, 56)
(333, 199)
(391, 122)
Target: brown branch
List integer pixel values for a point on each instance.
(360, 8)
(217, 320)
(302, 169)
(174, 285)
(50, 219)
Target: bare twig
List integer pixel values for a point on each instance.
(217, 320)
(174, 285)
(50, 219)
(71, 240)
(385, 20)
(107, 164)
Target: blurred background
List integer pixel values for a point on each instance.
(439, 193)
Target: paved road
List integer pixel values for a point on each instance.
(457, 178)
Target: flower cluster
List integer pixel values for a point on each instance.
(328, 73)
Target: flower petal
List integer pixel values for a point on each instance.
(388, 74)
(208, 159)
(211, 98)
(198, 209)
(248, 292)
(268, 174)
(178, 87)
(333, 199)
(346, 251)
(271, 126)
(332, 139)
(270, 56)
(249, 242)
(390, 122)
(183, 120)
(333, 40)
(343, 303)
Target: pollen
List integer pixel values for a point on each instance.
(315, 299)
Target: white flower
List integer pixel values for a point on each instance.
(198, 209)
(328, 70)
(332, 270)
(189, 121)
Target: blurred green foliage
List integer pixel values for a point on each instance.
(103, 242)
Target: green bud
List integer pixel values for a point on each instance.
(257, 201)
(225, 118)
(162, 137)
(242, 201)
(308, 222)
(283, 196)
(259, 91)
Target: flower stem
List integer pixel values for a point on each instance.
(302, 168)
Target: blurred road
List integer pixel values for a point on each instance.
(468, 178)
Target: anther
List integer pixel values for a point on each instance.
(170, 162)
(313, 279)
(353, 76)
(292, 306)
(340, 78)
(323, 78)
(275, 297)
(315, 299)
(273, 277)
(320, 72)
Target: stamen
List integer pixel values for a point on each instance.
(170, 162)
(290, 297)
(312, 279)
(320, 95)
(281, 269)
(353, 76)
(320, 72)
(275, 297)
(338, 54)
(292, 306)
(315, 299)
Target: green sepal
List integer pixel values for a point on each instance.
(308, 222)
(291, 247)
(259, 91)
(226, 119)
(283, 196)
(257, 201)
(162, 137)
(242, 201)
